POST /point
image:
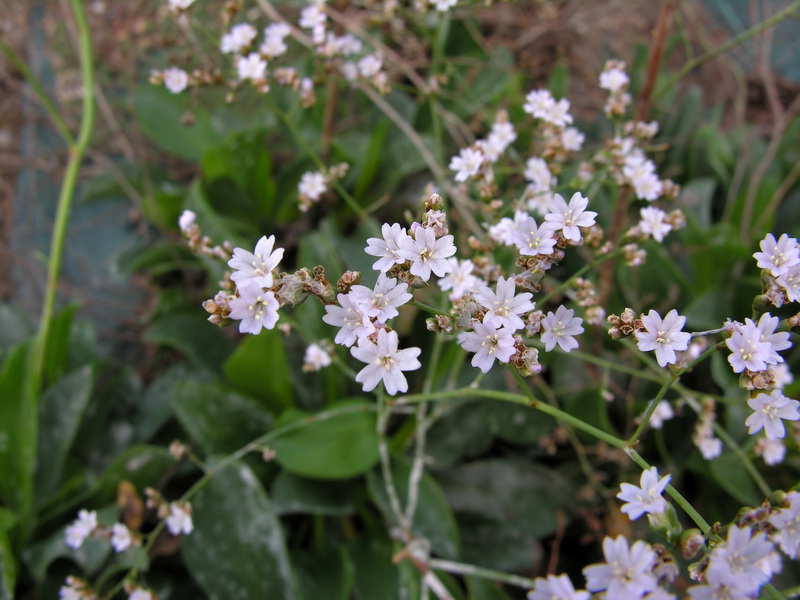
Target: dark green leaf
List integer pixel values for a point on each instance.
(259, 368)
(295, 495)
(58, 344)
(237, 549)
(199, 340)
(61, 411)
(141, 465)
(339, 447)
(731, 476)
(377, 577)
(327, 574)
(433, 519)
(485, 589)
(217, 418)
(8, 568)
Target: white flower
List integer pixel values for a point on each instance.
(627, 572)
(444, 5)
(467, 163)
(387, 248)
(460, 280)
(120, 537)
(316, 357)
(641, 174)
(238, 38)
(778, 256)
(734, 562)
(370, 65)
(81, 528)
(710, 447)
(140, 594)
(532, 240)
(257, 266)
(568, 218)
(179, 519)
(790, 282)
(505, 229)
(653, 224)
(538, 103)
(427, 253)
(556, 587)
(647, 497)
(572, 139)
(772, 451)
(776, 341)
(275, 40)
(67, 592)
(489, 343)
(385, 362)
(538, 173)
(787, 522)
(313, 17)
(613, 80)
(312, 185)
(663, 336)
(747, 349)
(504, 306)
(251, 67)
(781, 375)
(382, 302)
(558, 113)
(186, 220)
(770, 409)
(560, 328)
(255, 308)
(180, 4)
(663, 412)
(350, 317)
(175, 79)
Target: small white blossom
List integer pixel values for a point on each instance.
(385, 362)
(772, 451)
(767, 325)
(647, 497)
(180, 4)
(747, 349)
(81, 528)
(350, 317)
(558, 113)
(531, 239)
(387, 248)
(538, 103)
(175, 80)
(663, 336)
(569, 218)
(787, 522)
(444, 5)
(186, 220)
(428, 254)
(769, 412)
(627, 573)
(663, 412)
(504, 307)
(467, 164)
(120, 537)
(572, 139)
(179, 520)
(613, 80)
(315, 358)
(735, 562)
(255, 308)
(641, 174)
(257, 265)
(238, 38)
(710, 447)
(778, 257)
(505, 230)
(370, 65)
(653, 223)
(140, 594)
(556, 587)
(489, 343)
(460, 281)
(381, 303)
(251, 67)
(560, 328)
(312, 185)
(538, 173)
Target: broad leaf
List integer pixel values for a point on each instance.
(296, 495)
(259, 367)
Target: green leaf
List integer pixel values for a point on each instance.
(376, 576)
(8, 568)
(371, 160)
(160, 115)
(327, 575)
(200, 341)
(237, 549)
(485, 589)
(141, 465)
(61, 410)
(296, 495)
(58, 344)
(339, 447)
(259, 367)
(728, 472)
(15, 328)
(217, 418)
(433, 519)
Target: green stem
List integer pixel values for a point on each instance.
(448, 566)
(427, 308)
(585, 268)
(47, 103)
(722, 48)
(648, 413)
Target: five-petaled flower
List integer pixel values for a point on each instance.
(663, 335)
(647, 497)
(257, 265)
(769, 412)
(385, 362)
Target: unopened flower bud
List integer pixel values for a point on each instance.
(691, 542)
(348, 280)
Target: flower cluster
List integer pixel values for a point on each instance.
(780, 261)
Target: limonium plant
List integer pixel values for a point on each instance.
(503, 260)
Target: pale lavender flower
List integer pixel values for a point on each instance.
(776, 341)
(251, 67)
(489, 343)
(387, 248)
(747, 349)
(140, 594)
(787, 522)
(120, 537)
(175, 80)
(613, 79)
(790, 282)
(560, 328)
(460, 280)
(179, 520)
(710, 447)
(504, 231)
(532, 239)
(381, 302)
(350, 317)
(427, 253)
(663, 412)
(568, 218)
(256, 266)
(770, 409)
(538, 173)
(255, 308)
(385, 362)
(653, 223)
(238, 38)
(772, 451)
(778, 257)
(558, 113)
(556, 587)
(315, 358)
(312, 185)
(81, 528)
(627, 573)
(538, 103)
(504, 306)
(187, 220)
(572, 139)
(663, 336)
(467, 164)
(647, 497)
(735, 562)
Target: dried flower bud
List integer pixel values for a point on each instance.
(691, 542)
(348, 280)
